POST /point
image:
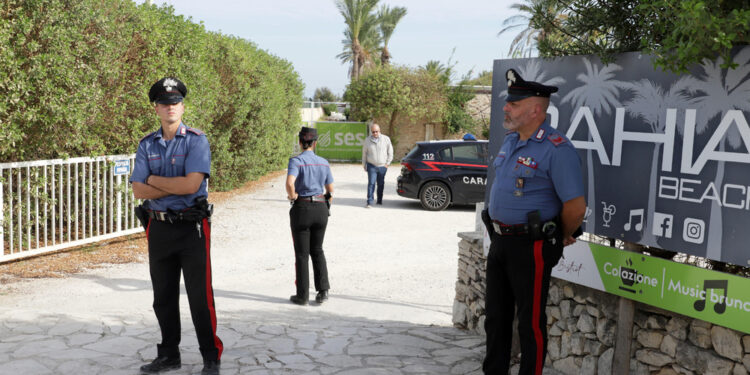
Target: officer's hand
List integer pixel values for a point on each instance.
(568, 241)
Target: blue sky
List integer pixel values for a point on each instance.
(308, 33)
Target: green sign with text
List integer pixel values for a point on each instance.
(712, 296)
(341, 140)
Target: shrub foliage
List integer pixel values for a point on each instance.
(74, 76)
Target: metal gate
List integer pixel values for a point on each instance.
(48, 205)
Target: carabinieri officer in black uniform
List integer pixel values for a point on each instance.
(172, 166)
(307, 177)
(536, 206)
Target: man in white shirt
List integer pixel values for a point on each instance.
(377, 154)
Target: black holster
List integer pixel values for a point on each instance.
(487, 220)
(327, 196)
(141, 213)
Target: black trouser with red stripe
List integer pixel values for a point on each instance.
(518, 273)
(183, 246)
(308, 221)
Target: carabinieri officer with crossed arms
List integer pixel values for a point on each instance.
(536, 205)
(172, 166)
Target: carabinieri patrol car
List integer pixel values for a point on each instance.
(439, 173)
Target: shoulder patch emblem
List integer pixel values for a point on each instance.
(556, 139)
(196, 131)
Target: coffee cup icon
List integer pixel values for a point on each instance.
(628, 277)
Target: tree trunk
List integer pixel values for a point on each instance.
(385, 56)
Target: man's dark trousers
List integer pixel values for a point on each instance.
(308, 221)
(518, 274)
(176, 247)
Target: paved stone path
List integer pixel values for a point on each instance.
(256, 343)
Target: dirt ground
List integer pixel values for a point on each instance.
(126, 249)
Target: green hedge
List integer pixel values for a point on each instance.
(74, 76)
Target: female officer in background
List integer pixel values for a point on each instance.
(307, 177)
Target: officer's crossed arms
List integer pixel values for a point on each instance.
(160, 186)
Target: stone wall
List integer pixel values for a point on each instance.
(582, 326)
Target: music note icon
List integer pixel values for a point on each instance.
(719, 307)
(638, 214)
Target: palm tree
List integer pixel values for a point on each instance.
(721, 91)
(388, 18)
(650, 104)
(369, 42)
(525, 42)
(599, 93)
(436, 69)
(360, 22)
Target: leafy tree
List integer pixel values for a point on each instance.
(388, 18)
(324, 94)
(679, 33)
(396, 93)
(361, 36)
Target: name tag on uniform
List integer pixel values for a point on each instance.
(519, 183)
(518, 193)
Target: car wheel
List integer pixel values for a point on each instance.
(435, 196)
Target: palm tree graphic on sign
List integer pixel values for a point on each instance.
(650, 104)
(599, 93)
(720, 90)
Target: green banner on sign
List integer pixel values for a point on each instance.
(708, 295)
(341, 141)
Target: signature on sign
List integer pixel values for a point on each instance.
(569, 266)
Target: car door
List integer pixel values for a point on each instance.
(467, 171)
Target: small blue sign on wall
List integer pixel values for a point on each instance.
(122, 167)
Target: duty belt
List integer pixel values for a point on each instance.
(522, 229)
(312, 198)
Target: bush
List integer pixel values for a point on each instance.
(329, 108)
(82, 68)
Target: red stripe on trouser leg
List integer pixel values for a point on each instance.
(209, 289)
(295, 262)
(535, 323)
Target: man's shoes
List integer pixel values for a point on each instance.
(160, 364)
(297, 300)
(380, 203)
(368, 206)
(322, 296)
(211, 367)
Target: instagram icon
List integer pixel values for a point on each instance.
(693, 230)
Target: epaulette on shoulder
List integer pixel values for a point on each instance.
(196, 131)
(147, 135)
(557, 139)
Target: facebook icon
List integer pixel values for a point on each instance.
(662, 225)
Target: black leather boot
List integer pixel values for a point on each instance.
(161, 363)
(297, 300)
(322, 296)
(211, 367)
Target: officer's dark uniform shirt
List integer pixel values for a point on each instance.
(539, 173)
(312, 172)
(187, 152)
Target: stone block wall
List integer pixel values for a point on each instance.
(582, 326)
